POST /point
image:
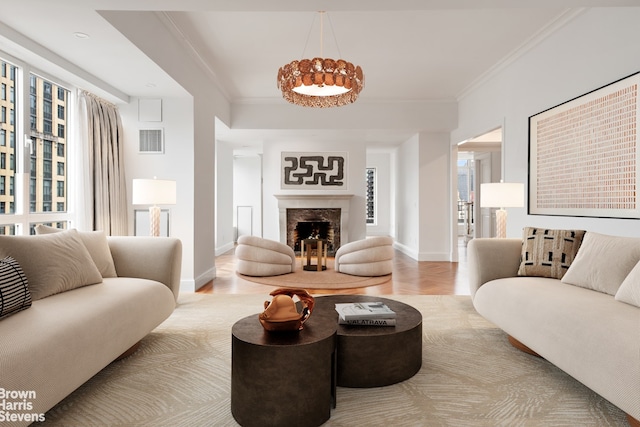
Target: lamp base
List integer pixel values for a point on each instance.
(501, 223)
(154, 221)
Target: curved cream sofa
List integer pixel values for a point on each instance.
(263, 257)
(368, 257)
(592, 336)
(59, 342)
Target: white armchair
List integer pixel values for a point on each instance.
(368, 257)
(263, 257)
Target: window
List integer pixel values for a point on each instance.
(44, 122)
(371, 184)
(3, 92)
(3, 160)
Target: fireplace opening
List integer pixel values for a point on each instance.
(313, 230)
(313, 223)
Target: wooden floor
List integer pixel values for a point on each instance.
(409, 277)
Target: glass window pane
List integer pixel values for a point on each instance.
(8, 154)
(49, 140)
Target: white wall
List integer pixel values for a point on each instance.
(381, 160)
(175, 163)
(436, 217)
(224, 198)
(407, 227)
(356, 183)
(424, 218)
(597, 47)
(150, 34)
(247, 184)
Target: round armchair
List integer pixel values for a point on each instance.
(368, 257)
(264, 257)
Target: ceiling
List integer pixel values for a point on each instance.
(410, 50)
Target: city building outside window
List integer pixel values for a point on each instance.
(44, 127)
(371, 195)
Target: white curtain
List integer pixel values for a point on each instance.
(105, 184)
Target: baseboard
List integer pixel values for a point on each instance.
(205, 278)
(193, 285)
(406, 250)
(224, 248)
(422, 256)
(187, 286)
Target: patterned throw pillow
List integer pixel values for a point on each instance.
(548, 253)
(14, 293)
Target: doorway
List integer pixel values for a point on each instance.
(479, 161)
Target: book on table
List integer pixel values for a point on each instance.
(367, 322)
(366, 313)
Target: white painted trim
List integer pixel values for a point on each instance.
(225, 248)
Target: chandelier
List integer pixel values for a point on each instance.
(320, 82)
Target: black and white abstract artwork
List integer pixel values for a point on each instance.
(314, 170)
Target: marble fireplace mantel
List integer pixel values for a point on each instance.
(315, 201)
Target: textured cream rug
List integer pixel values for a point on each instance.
(470, 376)
(327, 279)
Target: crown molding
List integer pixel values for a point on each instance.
(561, 20)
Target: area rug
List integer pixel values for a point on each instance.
(327, 279)
(470, 376)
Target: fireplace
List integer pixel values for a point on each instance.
(328, 215)
(314, 223)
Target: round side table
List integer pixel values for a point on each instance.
(282, 379)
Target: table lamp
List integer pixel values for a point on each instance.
(501, 195)
(154, 192)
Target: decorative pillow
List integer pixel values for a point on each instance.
(548, 253)
(603, 262)
(14, 293)
(629, 290)
(53, 263)
(96, 244)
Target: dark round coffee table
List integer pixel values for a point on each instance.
(290, 378)
(376, 356)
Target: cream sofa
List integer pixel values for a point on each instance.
(586, 321)
(368, 257)
(50, 348)
(263, 257)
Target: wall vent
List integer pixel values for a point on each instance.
(151, 141)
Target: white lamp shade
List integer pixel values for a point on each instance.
(153, 192)
(502, 195)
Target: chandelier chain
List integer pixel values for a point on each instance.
(335, 40)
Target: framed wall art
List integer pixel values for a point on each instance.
(314, 171)
(583, 154)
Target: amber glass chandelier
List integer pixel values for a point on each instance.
(320, 82)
